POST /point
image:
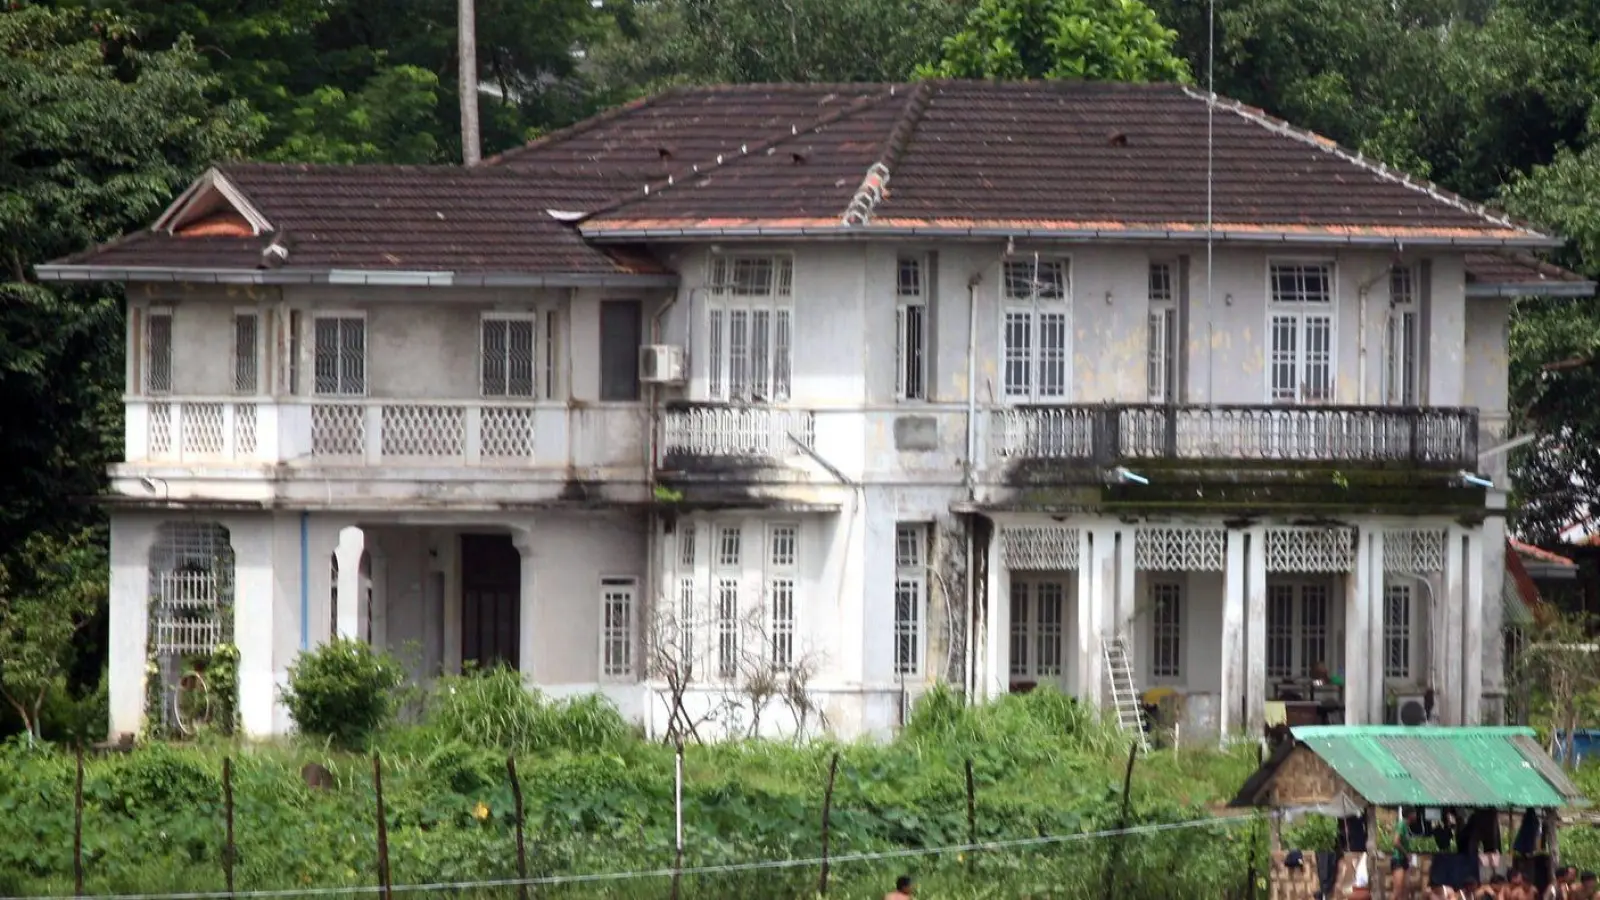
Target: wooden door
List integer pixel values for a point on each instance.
(491, 600)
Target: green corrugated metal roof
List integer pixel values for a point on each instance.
(1392, 765)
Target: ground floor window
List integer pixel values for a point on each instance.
(1166, 629)
(1038, 615)
(736, 583)
(1397, 612)
(1299, 628)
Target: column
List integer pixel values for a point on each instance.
(131, 538)
(1472, 629)
(350, 596)
(527, 652)
(1097, 552)
(1358, 660)
(259, 558)
(378, 633)
(1127, 602)
(1232, 658)
(1255, 624)
(1448, 697)
(997, 641)
(1377, 576)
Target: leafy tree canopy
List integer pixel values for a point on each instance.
(1102, 40)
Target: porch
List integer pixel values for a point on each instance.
(1336, 622)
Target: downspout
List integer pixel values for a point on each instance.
(972, 385)
(305, 580)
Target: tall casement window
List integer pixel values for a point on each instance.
(736, 593)
(1037, 615)
(1301, 328)
(1397, 630)
(1166, 630)
(340, 364)
(1161, 370)
(911, 329)
(750, 309)
(158, 351)
(506, 343)
(1299, 633)
(1402, 343)
(910, 597)
(1036, 331)
(618, 598)
(246, 352)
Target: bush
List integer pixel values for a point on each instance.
(344, 692)
(493, 709)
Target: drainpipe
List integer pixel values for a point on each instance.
(972, 384)
(305, 580)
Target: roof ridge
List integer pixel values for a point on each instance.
(1334, 148)
(745, 152)
(876, 182)
(581, 126)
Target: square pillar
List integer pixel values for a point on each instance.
(131, 539)
(1096, 579)
(1127, 605)
(261, 560)
(996, 672)
(1255, 620)
(1450, 701)
(1361, 668)
(1377, 577)
(1472, 629)
(347, 612)
(1231, 660)
(528, 619)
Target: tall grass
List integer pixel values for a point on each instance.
(493, 709)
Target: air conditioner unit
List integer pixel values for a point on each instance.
(661, 364)
(1409, 709)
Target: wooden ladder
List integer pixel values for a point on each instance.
(1124, 696)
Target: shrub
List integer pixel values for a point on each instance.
(343, 691)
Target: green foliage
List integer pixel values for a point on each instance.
(42, 606)
(343, 691)
(1099, 40)
(493, 709)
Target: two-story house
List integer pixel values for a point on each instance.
(874, 385)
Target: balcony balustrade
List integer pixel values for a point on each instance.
(736, 432)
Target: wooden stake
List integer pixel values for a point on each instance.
(383, 830)
(228, 850)
(1115, 857)
(522, 853)
(827, 811)
(972, 818)
(77, 829)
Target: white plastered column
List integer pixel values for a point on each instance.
(132, 536)
(1232, 658)
(1472, 628)
(997, 620)
(1450, 699)
(1097, 560)
(1377, 578)
(347, 614)
(528, 616)
(259, 565)
(1358, 662)
(1255, 710)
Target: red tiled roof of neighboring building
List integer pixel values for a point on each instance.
(1540, 554)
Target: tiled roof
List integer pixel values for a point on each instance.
(1539, 554)
(1516, 268)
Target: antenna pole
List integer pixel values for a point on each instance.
(467, 50)
(1211, 108)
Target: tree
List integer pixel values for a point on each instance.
(43, 604)
(1103, 40)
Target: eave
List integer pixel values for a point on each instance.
(351, 277)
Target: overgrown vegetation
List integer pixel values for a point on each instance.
(600, 800)
(343, 691)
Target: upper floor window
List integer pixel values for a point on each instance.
(1301, 330)
(911, 330)
(158, 351)
(246, 352)
(1160, 367)
(1402, 342)
(507, 343)
(749, 327)
(1037, 329)
(340, 364)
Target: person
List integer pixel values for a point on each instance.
(1400, 862)
(1498, 887)
(1586, 887)
(1561, 887)
(903, 889)
(1517, 886)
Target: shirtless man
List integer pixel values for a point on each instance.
(903, 889)
(1517, 887)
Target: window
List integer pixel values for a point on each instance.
(507, 353)
(688, 608)
(782, 542)
(911, 331)
(616, 599)
(910, 597)
(749, 328)
(246, 352)
(1298, 629)
(1036, 330)
(1166, 626)
(294, 351)
(1161, 368)
(728, 550)
(158, 352)
(341, 355)
(1301, 326)
(1402, 342)
(1037, 608)
(1397, 630)
(621, 333)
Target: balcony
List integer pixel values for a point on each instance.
(1107, 434)
(723, 435)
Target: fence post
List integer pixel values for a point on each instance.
(1114, 858)
(827, 811)
(228, 850)
(972, 819)
(383, 830)
(77, 828)
(677, 817)
(522, 853)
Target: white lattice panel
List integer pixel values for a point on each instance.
(202, 428)
(160, 429)
(244, 429)
(1311, 549)
(1160, 548)
(338, 429)
(1416, 550)
(1041, 547)
(506, 433)
(424, 430)
(187, 636)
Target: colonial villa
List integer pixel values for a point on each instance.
(865, 386)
